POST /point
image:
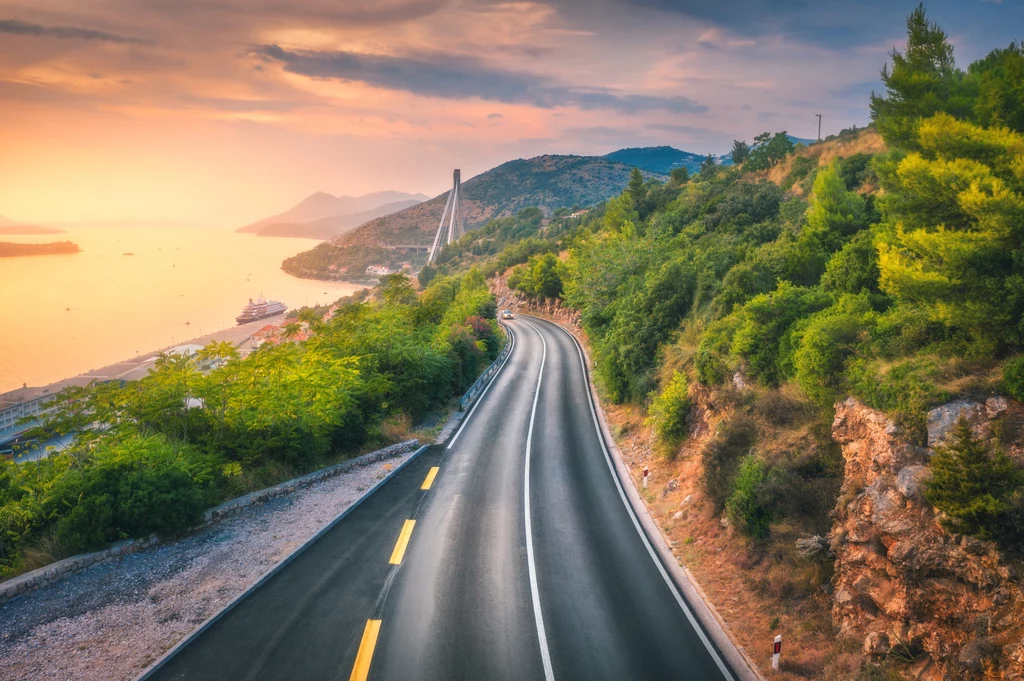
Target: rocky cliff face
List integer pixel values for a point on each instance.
(517, 302)
(902, 584)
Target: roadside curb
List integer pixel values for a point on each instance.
(714, 625)
(213, 619)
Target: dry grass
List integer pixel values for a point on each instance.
(397, 428)
(866, 141)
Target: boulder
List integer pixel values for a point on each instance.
(942, 419)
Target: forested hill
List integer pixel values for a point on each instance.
(731, 311)
(548, 182)
(658, 159)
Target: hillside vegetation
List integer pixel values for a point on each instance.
(546, 182)
(886, 263)
(149, 456)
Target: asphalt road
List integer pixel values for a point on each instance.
(519, 561)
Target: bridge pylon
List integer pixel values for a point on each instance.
(450, 228)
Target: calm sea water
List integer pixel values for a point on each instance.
(178, 284)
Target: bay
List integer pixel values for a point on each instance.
(63, 315)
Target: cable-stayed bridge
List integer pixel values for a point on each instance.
(450, 228)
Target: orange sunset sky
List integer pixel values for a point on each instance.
(225, 111)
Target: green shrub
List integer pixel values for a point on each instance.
(764, 335)
(980, 491)
(669, 410)
(854, 268)
(1013, 377)
(750, 505)
(722, 455)
(826, 341)
(131, 489)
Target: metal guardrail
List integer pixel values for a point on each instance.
(477, 387)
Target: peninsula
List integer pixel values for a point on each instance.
(12, 250)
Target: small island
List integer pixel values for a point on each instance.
(13, 250)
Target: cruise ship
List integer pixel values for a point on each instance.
(260, 309)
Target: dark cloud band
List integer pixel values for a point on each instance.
(452, 77)
(15, 27)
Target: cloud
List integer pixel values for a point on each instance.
(15, 27)
(456, 77)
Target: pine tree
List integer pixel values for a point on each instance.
(637, 189)
(740, 151)
(921, 82)
(976, 488)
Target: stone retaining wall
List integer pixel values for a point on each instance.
(36, 579)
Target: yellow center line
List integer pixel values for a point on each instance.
(361, 669)
(403, 542)
(431, 474)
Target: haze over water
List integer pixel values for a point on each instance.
(122, 305)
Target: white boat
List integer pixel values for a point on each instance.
(260, 309)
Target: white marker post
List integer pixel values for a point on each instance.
(646, 473)
(777, 651)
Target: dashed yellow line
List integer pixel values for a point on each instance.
(361, 669)
(403, 542)
(431, 474)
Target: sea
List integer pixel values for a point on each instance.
(135, 290)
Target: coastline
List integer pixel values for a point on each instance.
(133, 369)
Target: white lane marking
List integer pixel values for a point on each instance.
(636, 523)
(545, 655)
(481, 398)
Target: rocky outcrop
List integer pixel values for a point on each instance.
(509, 299)
(902, 584)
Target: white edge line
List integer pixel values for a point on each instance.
(643, 536)
(480, 399)
(180, 645)
(538, 616)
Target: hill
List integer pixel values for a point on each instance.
(548, 182)
(328, 227)
(9, 226)
(321, 206)
(657, 159)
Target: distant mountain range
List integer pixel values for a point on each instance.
(322, 215)
(8, 226)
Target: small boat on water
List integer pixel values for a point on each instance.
(260, 309)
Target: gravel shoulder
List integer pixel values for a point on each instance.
(114, 619)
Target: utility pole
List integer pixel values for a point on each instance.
(819, 126)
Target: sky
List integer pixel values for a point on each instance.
(226, 111)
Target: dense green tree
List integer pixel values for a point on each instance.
(680, 175)
(954, 214)
(740, 151)
(921, 82)
(768, 151)
(999, 80)
(637, 188)
(978, 490)
(854, 268)
(835, 213)
(708, 166)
